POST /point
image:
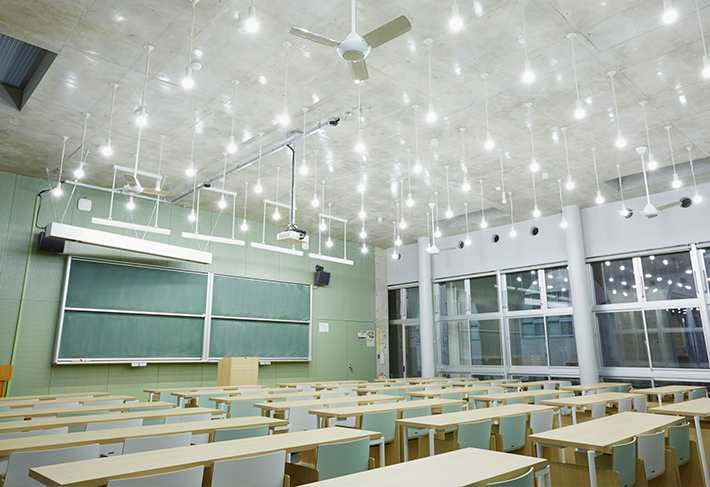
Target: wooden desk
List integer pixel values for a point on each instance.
(458, 390)
(585, 388)
(599, 436)
(468, 467)
(273, 407)
(487, 381)
(370, 390)
(440, 422)
(525, 395)
(190, 397)
(38, 413)
(589, 400)
(88, 473)
(221, 401)
(322, 382)
(697, 409)
(119, 435)
(5, 376)
(49, 397)
(42, 424)
(541, 383)
(666, 391)
(153, 392)
(81, 400)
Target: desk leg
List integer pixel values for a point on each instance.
(660, 401)
(544, 475)
(702, 448)
(432, 433)
(382, 453)
(574, 415)
(539, 450)
(151, 395)
(181, 402)
(405, 439)
(591, 455)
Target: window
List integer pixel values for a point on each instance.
(668, 276)
(455, 343)
(395, 303)
(523, 290)
(404, 340)
(527, 341)
(452, 298)
(557, 288)
(614, 282)
(412, 295)
(623, 342)
(560, 339)
(485, 342)
(484, 295)
(676, 338)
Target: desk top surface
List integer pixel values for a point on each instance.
(517, 395)
(38, 413)
(534, 383)
(274, 397)
(322, 382)
(696, 407)
(593, 387)
(99, 471)
(590, 399)
(450, 420)
(45, 397)
(456, 390)
(388, 388)
(470, 467)
(603, 433)
(458, 383)
(226, 392)
(666, 390)
(379, 408)
(283, 406)
(202, 388)
(64, 400)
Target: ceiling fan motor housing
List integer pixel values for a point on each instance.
(353, 48)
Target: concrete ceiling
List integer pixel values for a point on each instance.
(100, 42)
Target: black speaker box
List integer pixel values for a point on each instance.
(49, 244)
(322, 278)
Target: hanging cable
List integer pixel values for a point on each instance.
(232, 144)
(502, 177)
(620, 140)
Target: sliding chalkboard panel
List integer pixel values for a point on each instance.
(264, 339)
(251, 298)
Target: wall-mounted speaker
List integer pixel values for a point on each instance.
(49, 244)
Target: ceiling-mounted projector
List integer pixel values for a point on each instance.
(294, 237)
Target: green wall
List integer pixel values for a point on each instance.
(348, 304)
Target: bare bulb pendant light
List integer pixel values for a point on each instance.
(502, 177)
(484, 223)
(534, 166)
(489, 143)
(252, 25)
(304, 163)
(449, 214)
(245, 226)
(314, 201)
(625, 212)
(398, 239)
(107, 149)
(677, 183)
(363, 233)
(536, 209)
(402, 221)
(467, 242)
(431, 116)
(513, 233)
(362, 214)
(79, 172)
(277, 214)
(651, 164)
(670, 14)
(329, 242)
(428, 232)
(649, 210)
(417, 162)
(620, 142)
(437, 231)
(142, 112)
(456, 22)
(579, 111)
(222, 201)
(395, 254)
(410, 201)
(528, 74)
(187, 82)
(191, 167)
(599, 199)
(563, 222)
(283, 118)
(696, 197)
(433, 249)
(192, 217)
(465, 186)
(232, 144)
(322, 226)
(158, 182)
(361, 183)
(570, 183)
(57, 191)
(360, 144)
(257, 187)
(706, 58)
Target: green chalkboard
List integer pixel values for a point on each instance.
(265, 339)
(251, 298)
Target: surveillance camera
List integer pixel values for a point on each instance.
(207, 185)
(460, 245)
(319, 268)
(334, 121)
(685, 202)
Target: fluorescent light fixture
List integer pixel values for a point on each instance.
(337, 260)
(210, 238)
(275, 248)
(122, 242)
(130, 226)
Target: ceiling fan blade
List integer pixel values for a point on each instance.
(358, 70)
(155, 192)
(387, 32)
(672, 204)
(303, 33)
(131, 179)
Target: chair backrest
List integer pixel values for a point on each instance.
(598, 410)
(137, 445)
(415, 413)
(538, 399)
(679, 438)
(525, 480)
(7, 408)
(698, 393)
(566, 383)
(458, 396)
(240, 433)
(549, 387)
(243, 409)
(541, 421)
(347, 422)
(512, 429)
(104, 403)
(191, 477)
(518, 400)
(72, 415)
(602, 391)
(111, 425)
(453, 408)
(534, 388)
(475, 435)
(496, 391)
(652, 450)
(188, 418)
(7, 420)
(624, 461)
(27, 434)
(383, 422)
(338, 459)
(679, 397)
(624, 405)
(204, 401)
(300, 420)
(641, 404)
(56, 406)
(263, 470)
(167, 396)
(19, 464)
(389, 392)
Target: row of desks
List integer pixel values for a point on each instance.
(81, 400)
(51, 412)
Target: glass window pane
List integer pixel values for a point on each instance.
(394, 298)
(523, 290)
(614, 281)
(413, 344)
(668, 276)
(676, 338)
(557, 282)
(484, 295)
(452, 298)
(623, 343)
(412, 302)
(560, 336)
(527, 341)
(396, 352)
(485, 342)
(454, 343)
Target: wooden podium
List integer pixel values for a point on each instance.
(238, 371)
(6, 375)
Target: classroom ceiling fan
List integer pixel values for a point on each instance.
(651, 211)
(355, 48)
(134, 186)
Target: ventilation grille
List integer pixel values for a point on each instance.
(17, 60)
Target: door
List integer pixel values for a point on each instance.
(362, 359)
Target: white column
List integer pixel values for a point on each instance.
(426, 309)
(581, 297)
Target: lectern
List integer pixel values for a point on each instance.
(6, 375)
(238, 371)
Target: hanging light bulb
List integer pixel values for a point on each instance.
(57, 191)
(192, 217)
(437, 233)
(276, 215)
(79, 171)
(418, 166)
(187, 82)
(283, 117)
(696, 198)
(563, 223)
(106, 150)
(361, 186)
(467, 241)
(706, 58)
(323, 226)
(329, 242)
(449, 212)
(676, 180)
(244, 227)
(528, 74)
(410, 201)
(431, 114)
(395, 255)
(364, 249)
(620, 142)
(651, 163)
(579, 111)
(190, 171)
(536, 212)
(258, 188)
(625, 212)
(465, 186)
(142, 117)
(570, 183)
(417, 163)
(402, 223)
(534, 166)
(222, 203)
(362, 215)
(502, 177)
(363, 233)
(252, 25)
(142, 113)
(398, 241)
(232, 145)
(706, 66)
(489, 144)
(456, 22)
(359, 145)
(670, 14)
(484, 223)
(599, 199)
(131, 204)
(314, 201)
(513, 233)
